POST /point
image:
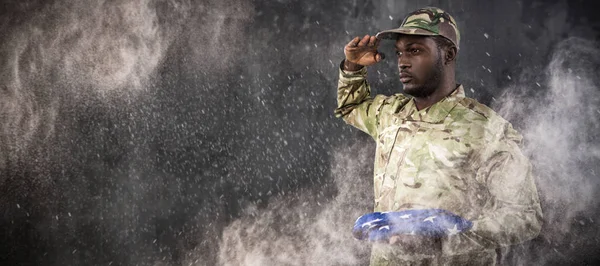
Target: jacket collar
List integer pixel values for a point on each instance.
(436, 112)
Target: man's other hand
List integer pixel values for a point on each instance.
(361, 52)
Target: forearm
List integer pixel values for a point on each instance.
(355, 104)
(512, 214)
(501, 223)
(508, 225)
(353, 89)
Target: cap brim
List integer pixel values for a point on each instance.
(394, 33)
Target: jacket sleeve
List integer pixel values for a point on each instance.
(355, 104)
(512, 214)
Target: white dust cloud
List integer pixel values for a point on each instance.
(100, 45)
(304, 229)
(560, 127)
(67, 49)
(217, 36)
(109, 51)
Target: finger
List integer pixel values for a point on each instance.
(372, 41)
(364, 41)
(352, 47)
(377, 41)
(353, 42)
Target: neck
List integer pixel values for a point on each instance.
(445, 88)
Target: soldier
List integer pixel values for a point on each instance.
(438, 148)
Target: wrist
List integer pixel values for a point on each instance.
(349, 66)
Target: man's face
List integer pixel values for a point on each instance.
(419, 64)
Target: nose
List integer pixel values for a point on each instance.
(403, 62)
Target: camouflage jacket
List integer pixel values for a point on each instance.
(457, 155)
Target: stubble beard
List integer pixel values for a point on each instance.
(432, 81)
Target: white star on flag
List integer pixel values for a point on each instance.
(453, 231)
(406, 216)
(384, 227)
(370, 224)
(430, 218)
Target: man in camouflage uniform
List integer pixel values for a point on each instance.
(438, 148)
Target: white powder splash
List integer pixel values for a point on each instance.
(67, 49)
(216, 37)
(560, 127)
(303, 229)
(106, 51)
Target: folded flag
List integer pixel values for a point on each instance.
(380, 226)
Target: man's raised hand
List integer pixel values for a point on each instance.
(362, 52)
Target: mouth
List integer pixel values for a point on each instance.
(404, 78)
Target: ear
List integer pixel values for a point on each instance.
(450, 54)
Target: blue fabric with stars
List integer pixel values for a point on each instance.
(380, 226)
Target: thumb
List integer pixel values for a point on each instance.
(379, 56)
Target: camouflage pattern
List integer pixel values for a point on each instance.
(428, 21)
(456, 155)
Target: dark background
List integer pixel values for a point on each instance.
(202, 132)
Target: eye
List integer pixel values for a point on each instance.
(415, 50)
(398, 53)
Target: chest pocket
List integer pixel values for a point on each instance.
(447, 147)
(449, 156)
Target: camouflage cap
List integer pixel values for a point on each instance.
(428, 21)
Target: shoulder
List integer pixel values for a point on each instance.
(394, 97)
(472, 105)
(392, 100)
(386, 106)
(478, 113)
(481, 112)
